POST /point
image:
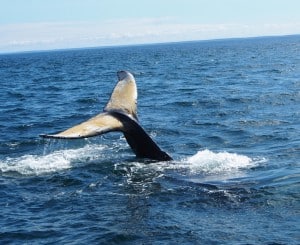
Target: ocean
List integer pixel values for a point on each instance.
(227, 111)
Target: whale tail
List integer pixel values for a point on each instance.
(120, 114)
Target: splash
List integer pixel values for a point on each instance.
(205, 165)
(208, 166)
(203, 162)
(52, 162)
(210, 162)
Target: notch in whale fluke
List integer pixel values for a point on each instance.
(120, 114)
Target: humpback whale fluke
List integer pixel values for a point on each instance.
(120, 114)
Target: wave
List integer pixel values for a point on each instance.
(52, 162)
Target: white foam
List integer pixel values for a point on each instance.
(203, 162)
(210, 162)
(52, 162)
(204, 166)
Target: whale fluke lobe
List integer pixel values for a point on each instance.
(124, 96)
(120, 114)
(100, 124)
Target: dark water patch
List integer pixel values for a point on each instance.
(16, 94)
(88, 100)
(21, 236)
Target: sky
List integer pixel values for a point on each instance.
(29, 25)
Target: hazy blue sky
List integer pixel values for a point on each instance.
(52, 24)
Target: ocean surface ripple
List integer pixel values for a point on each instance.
(228, 111)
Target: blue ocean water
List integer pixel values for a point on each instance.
(226, 110)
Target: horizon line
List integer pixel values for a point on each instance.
(145, 44)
